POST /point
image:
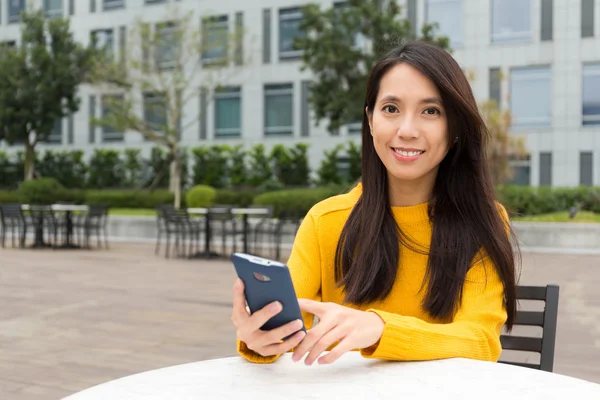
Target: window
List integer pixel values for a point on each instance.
(53, 8)
(545, 169)
(113, 4)
(586, 168)
(547, 20)
(289, 29)
(530, 92)
(511, 21)
(228, 112)
(109, 103)
(266, 34)
(449, 16)
(522, 171)
(166, 46)
(154, 1)
(55, 137)
(591, 95)
(495, 86)
(587, 18)
(104, 39)
(214, 39)
(14, 10)
(155, 111)
(278, 109)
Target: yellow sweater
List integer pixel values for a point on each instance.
(409, 333)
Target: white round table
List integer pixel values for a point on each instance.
(351, 377)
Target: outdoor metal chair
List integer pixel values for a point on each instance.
(546, 319)
(11, 216)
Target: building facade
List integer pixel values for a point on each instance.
(540, 59)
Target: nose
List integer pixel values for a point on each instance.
(408, 128)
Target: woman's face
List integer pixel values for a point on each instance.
(409, 126)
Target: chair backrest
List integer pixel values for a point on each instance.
(11, 211)
(546, 319)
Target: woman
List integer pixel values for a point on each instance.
(415, 262)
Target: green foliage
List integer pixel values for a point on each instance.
(41, 191)
(339, 62)
(211, 165)
(128, 198)
(11, 170)
(296, 202)
(201, 196)
(259, 169)
(133, 168)
(158, 169)
(238, 173)
(355, 161)
(242, 198)
(9, 197)
(525, 200)
(67, 167)
(40, 80)
(329, 172)
(106, 170)
(290, 165)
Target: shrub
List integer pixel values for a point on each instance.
(201, 196)
(242, 198)
(9, 197)
(42, 191)
(128, 198)
(297, 201)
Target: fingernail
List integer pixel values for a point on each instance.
(275, 306)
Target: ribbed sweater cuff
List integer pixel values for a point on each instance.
(395, 340)
(252, 356)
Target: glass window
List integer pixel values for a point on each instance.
(587, 18)
(14, 10)
(547, 20)
(591, 95)
(110, 4)
(511, 21)
(55, 137)
(545, 169)
(530, 93)
(278, 109)
(166, 46)
(228, 112)
(53, 8)
(449, 16)
(104, 39)
(214, 39)
(586, 168)
(155, 111)
(110, 102)
(289, 28)
(521, 171)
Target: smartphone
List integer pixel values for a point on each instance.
(266, 281)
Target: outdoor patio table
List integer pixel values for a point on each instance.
(351, 377)
(245, 213)
(69, 209)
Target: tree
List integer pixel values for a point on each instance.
(168, 64)
(340, 45)
(39, 81)
(501, 145)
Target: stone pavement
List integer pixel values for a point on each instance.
(74, 319)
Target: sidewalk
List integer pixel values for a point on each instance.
(73, 319)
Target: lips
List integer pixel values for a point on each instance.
(407, 154)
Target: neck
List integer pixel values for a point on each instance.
(409, 193)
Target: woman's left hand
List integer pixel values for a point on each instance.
(354, 329)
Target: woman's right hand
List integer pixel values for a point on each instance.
(265, 343)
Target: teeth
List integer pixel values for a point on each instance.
(408, 153)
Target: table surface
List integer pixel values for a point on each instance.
(351, 377)
(58, 207)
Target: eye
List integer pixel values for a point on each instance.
(432, 111)
(390, 109)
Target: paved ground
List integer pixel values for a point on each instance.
(73, 319)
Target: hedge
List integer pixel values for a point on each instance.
(297, 202)
(525, 200)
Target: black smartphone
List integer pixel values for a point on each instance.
(266, 281)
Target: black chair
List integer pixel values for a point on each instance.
(11, 216)
(288, 223)
(220, 215)
(94, 221)
(546, 319)
(170, 223)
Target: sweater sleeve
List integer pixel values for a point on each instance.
(304, 264)
(473, 333)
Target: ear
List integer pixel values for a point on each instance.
(370, 119)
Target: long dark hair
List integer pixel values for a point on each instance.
(463, 210)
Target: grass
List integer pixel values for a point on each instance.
(582, 216)
(563, 216)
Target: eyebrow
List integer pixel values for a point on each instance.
(394, 99)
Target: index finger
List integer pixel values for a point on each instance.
(239, 300)
(310, 306)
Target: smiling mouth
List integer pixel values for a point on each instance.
(409, 153)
